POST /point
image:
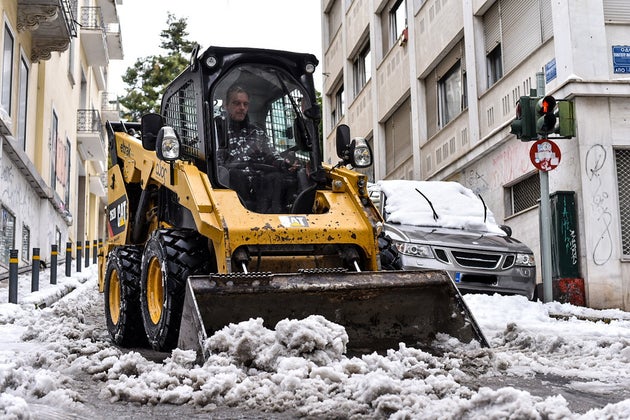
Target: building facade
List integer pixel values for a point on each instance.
(433, 85)
(53, 100)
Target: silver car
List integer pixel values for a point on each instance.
(443, 225)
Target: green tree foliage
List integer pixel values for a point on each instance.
(147, 79)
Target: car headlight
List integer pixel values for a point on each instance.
(526, 260)
(414, 250)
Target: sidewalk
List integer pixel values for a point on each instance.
(47, 293)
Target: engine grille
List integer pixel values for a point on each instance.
(476, 259)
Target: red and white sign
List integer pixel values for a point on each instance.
(545, 155)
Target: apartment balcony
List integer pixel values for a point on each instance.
(51, 23)
(97, 185)
(90, 135)
(110, 107)
(93, 36)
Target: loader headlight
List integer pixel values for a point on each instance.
(525, 260)
(167, 144)
(361, 153)
(414, 250)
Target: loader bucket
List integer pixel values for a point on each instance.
(378, 309)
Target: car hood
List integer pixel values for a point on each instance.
(455, 238)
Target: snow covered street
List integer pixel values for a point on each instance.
(58, 362)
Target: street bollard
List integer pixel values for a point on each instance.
(79, 251)
(35, 271)
(87, 254)
(94, 251)
(53, 264)
(13, 276)
(68, 259)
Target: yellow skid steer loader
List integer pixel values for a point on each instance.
(208, 226)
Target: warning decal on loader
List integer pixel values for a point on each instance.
(294, 221)
(117, 216)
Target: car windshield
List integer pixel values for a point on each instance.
(436, 204)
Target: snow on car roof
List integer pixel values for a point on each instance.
(456, 206)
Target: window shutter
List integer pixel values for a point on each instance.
(492, 28)
(546, 20)
(521, 30)
(617, 10)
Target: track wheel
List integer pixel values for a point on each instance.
(170, 256)
(122, 297)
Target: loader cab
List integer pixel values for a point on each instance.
(263, 136)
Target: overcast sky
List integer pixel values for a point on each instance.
(293, 25)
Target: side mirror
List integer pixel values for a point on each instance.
(167, 145)
(150, 124)
(342, 140)
(506, 229)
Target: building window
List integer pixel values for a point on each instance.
(398, 145)
(333, 18)
(622, 160)
(26, 243)
(361, 69)
(397, 20)
(338, 107)
(67, 172)
(523, 195)
(7, 70)
(519, 27)
(54, 129)
(22, 103)
(450, 95)
(7, 235)
(495, 65)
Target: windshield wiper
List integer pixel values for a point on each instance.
(485, 208)
(435, 215)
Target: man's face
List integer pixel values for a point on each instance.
(238, 105)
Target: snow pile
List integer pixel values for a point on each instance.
(249, 343)
(456, 206)
(300, 366)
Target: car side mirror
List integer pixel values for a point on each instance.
(506, 229)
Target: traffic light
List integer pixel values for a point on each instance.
(524, 126)
(566, 120)
(545, 116)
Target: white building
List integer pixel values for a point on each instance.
(433, 85)
(52, 142)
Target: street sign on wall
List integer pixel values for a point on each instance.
(545, 155)
(621, 58)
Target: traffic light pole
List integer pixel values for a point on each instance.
(545, 216)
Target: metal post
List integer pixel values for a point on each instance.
(68, 259)
(87, 254)
(94, 251)
(545, 236)
(545, 216)
(53, 264)
(13, 276)
(35, 271)
(79, 251)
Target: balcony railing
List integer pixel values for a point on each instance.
(90, 135)
(92, 18)
(88, 121)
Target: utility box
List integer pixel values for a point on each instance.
(568, 285)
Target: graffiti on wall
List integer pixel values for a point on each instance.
(475, 181)
(600, 204)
